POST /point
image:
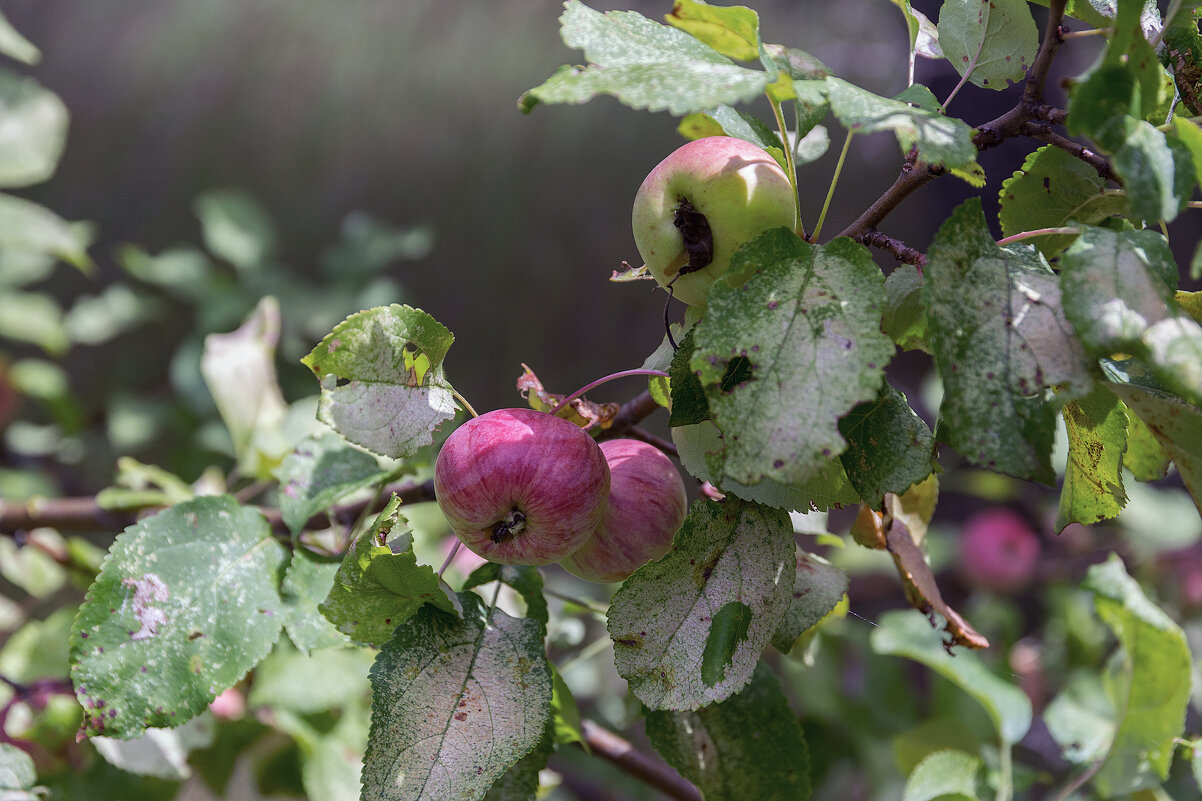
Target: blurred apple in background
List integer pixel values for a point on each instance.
(999, 550)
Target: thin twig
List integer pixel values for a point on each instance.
(1043, 133)
(644, 435)
(900, 250)
(614, 749)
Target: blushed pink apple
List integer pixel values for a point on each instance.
(703, 201)
(521, 487)
(998, 550)
(646, 505)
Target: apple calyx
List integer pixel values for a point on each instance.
(697, 235)
(510, 527)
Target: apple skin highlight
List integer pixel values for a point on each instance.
(521, 487)
(647, 504)
(739, 190)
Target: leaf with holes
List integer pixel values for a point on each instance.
(748, 746)
(186, 603)
(645, 64)
(455, 703)
(1000, 338)
(784, 356)
(382, 380)
(992, 42)
(1097, 439)
(376, 587)
(688, 629)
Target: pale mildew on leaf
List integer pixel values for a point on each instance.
(146, 589)
(186, 602)
(681, 636)
(455, 703)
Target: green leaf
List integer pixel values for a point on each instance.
(307, 583)
(455, 702)
(159, 752)
(288, 679)
(17, 771)
(33, 233)
(748, 746)
(1145, 458)
(889, 447)
(827, 488)
(383, 385)
(942, 141)
(817, 589)
(673, 643)
(689, 405)
(728, 121)
(1000, 338)
(520, 782)
(1119, 297)
(944, 775)
(330, 757)
(645, 65)
(1099, 105)
(527, 580)
(236, 228)
(376, 589)
(1176, 424)
(1081, 719)
(992, 43)
(1189, 133)
(909, 634)
(783, 357)
(319, 473)
(733, 31)
(905, 317)
(35, 129)
(1054, 189)
(1154, 687)
(239, 370)
(565, 715)
(16, 46)
(186, 603)
(1157, 172)
(1097, 440)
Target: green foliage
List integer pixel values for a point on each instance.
(444, 683)
(400, 681)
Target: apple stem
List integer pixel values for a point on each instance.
(826, 204)
(1037, 232)
(790, 162)
(463, 400)
(603, 380)
(450, 557)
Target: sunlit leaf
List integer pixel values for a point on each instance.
(1097, 440)
(992, 43)
(34, 130)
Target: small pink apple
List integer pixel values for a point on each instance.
(703, 201)
(230, 705)
(646, 505)
(521, 487)
(998, 550)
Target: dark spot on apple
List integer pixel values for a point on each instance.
(698, 238)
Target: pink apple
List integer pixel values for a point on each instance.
(700, 204)
(646, 505)
(998, 550)
(521, 487)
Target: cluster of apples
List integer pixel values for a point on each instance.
(520, 486)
